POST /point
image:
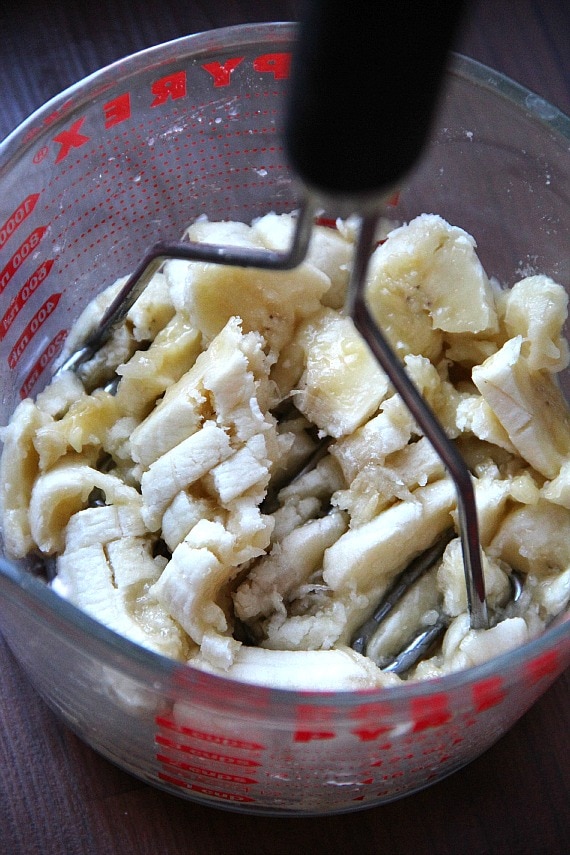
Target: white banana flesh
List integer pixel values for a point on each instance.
(301, 670)
(156, 499)
(529, 405)
(18, 472)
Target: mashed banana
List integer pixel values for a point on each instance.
(169, 504)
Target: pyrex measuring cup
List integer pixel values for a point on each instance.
(132, 154)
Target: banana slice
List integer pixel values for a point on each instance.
(342, 385)
(148, 373)
(272, 303)
(536, 308)
(179, 468)
(229, 382)
(301, 670)
(190, 584)
(329, 250)
(365, 558)
(18, 471)
(93, 578)
(86, 423)
(104, 524)
(529, 405)
(534, 539)
(426, 280)
(62, 491)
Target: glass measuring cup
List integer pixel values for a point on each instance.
(134, 153)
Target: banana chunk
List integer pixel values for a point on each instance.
(384, 434)
(536, 308)
(228, 381)
(246, 469)
(329, 250)
(148, 373)
(272, 303)
(18, 472)
(365, 556)
(104, 524)
(534, 538)
(179, 468)
(87, 422)
(425, 280)
(93, 578)
(342, 385)
(276, 575)
(301, 670)
(62, 491)
(529, 405)
(188, 588)
(377, 486)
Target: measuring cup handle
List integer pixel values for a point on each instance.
(364, 83)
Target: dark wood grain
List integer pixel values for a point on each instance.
(58, 797)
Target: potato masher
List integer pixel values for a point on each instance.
(364, 85)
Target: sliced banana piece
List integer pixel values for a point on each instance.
(529, 405)
(301, 670)
(19, 468)
(62, 491)
(342, 384)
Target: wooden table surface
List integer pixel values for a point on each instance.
(57, 796)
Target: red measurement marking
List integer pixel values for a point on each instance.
(23, 251)
(49, 354)
(16, 219)
(215, 738)
(23, 295)
(34, 325)
(217, 794)
(222, 73)
(311, 735)
(186, 748)
(312, 723)
(41, 154)
(172, 86)
(488, 693)
(205, 773)
(308, 713)
(277, 64)
(32, 133)
(370, 715)
(429, 712)
(369, 734)
(546, 665)
(70, 138)
(117, 110)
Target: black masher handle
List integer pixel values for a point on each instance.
(364, 84)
